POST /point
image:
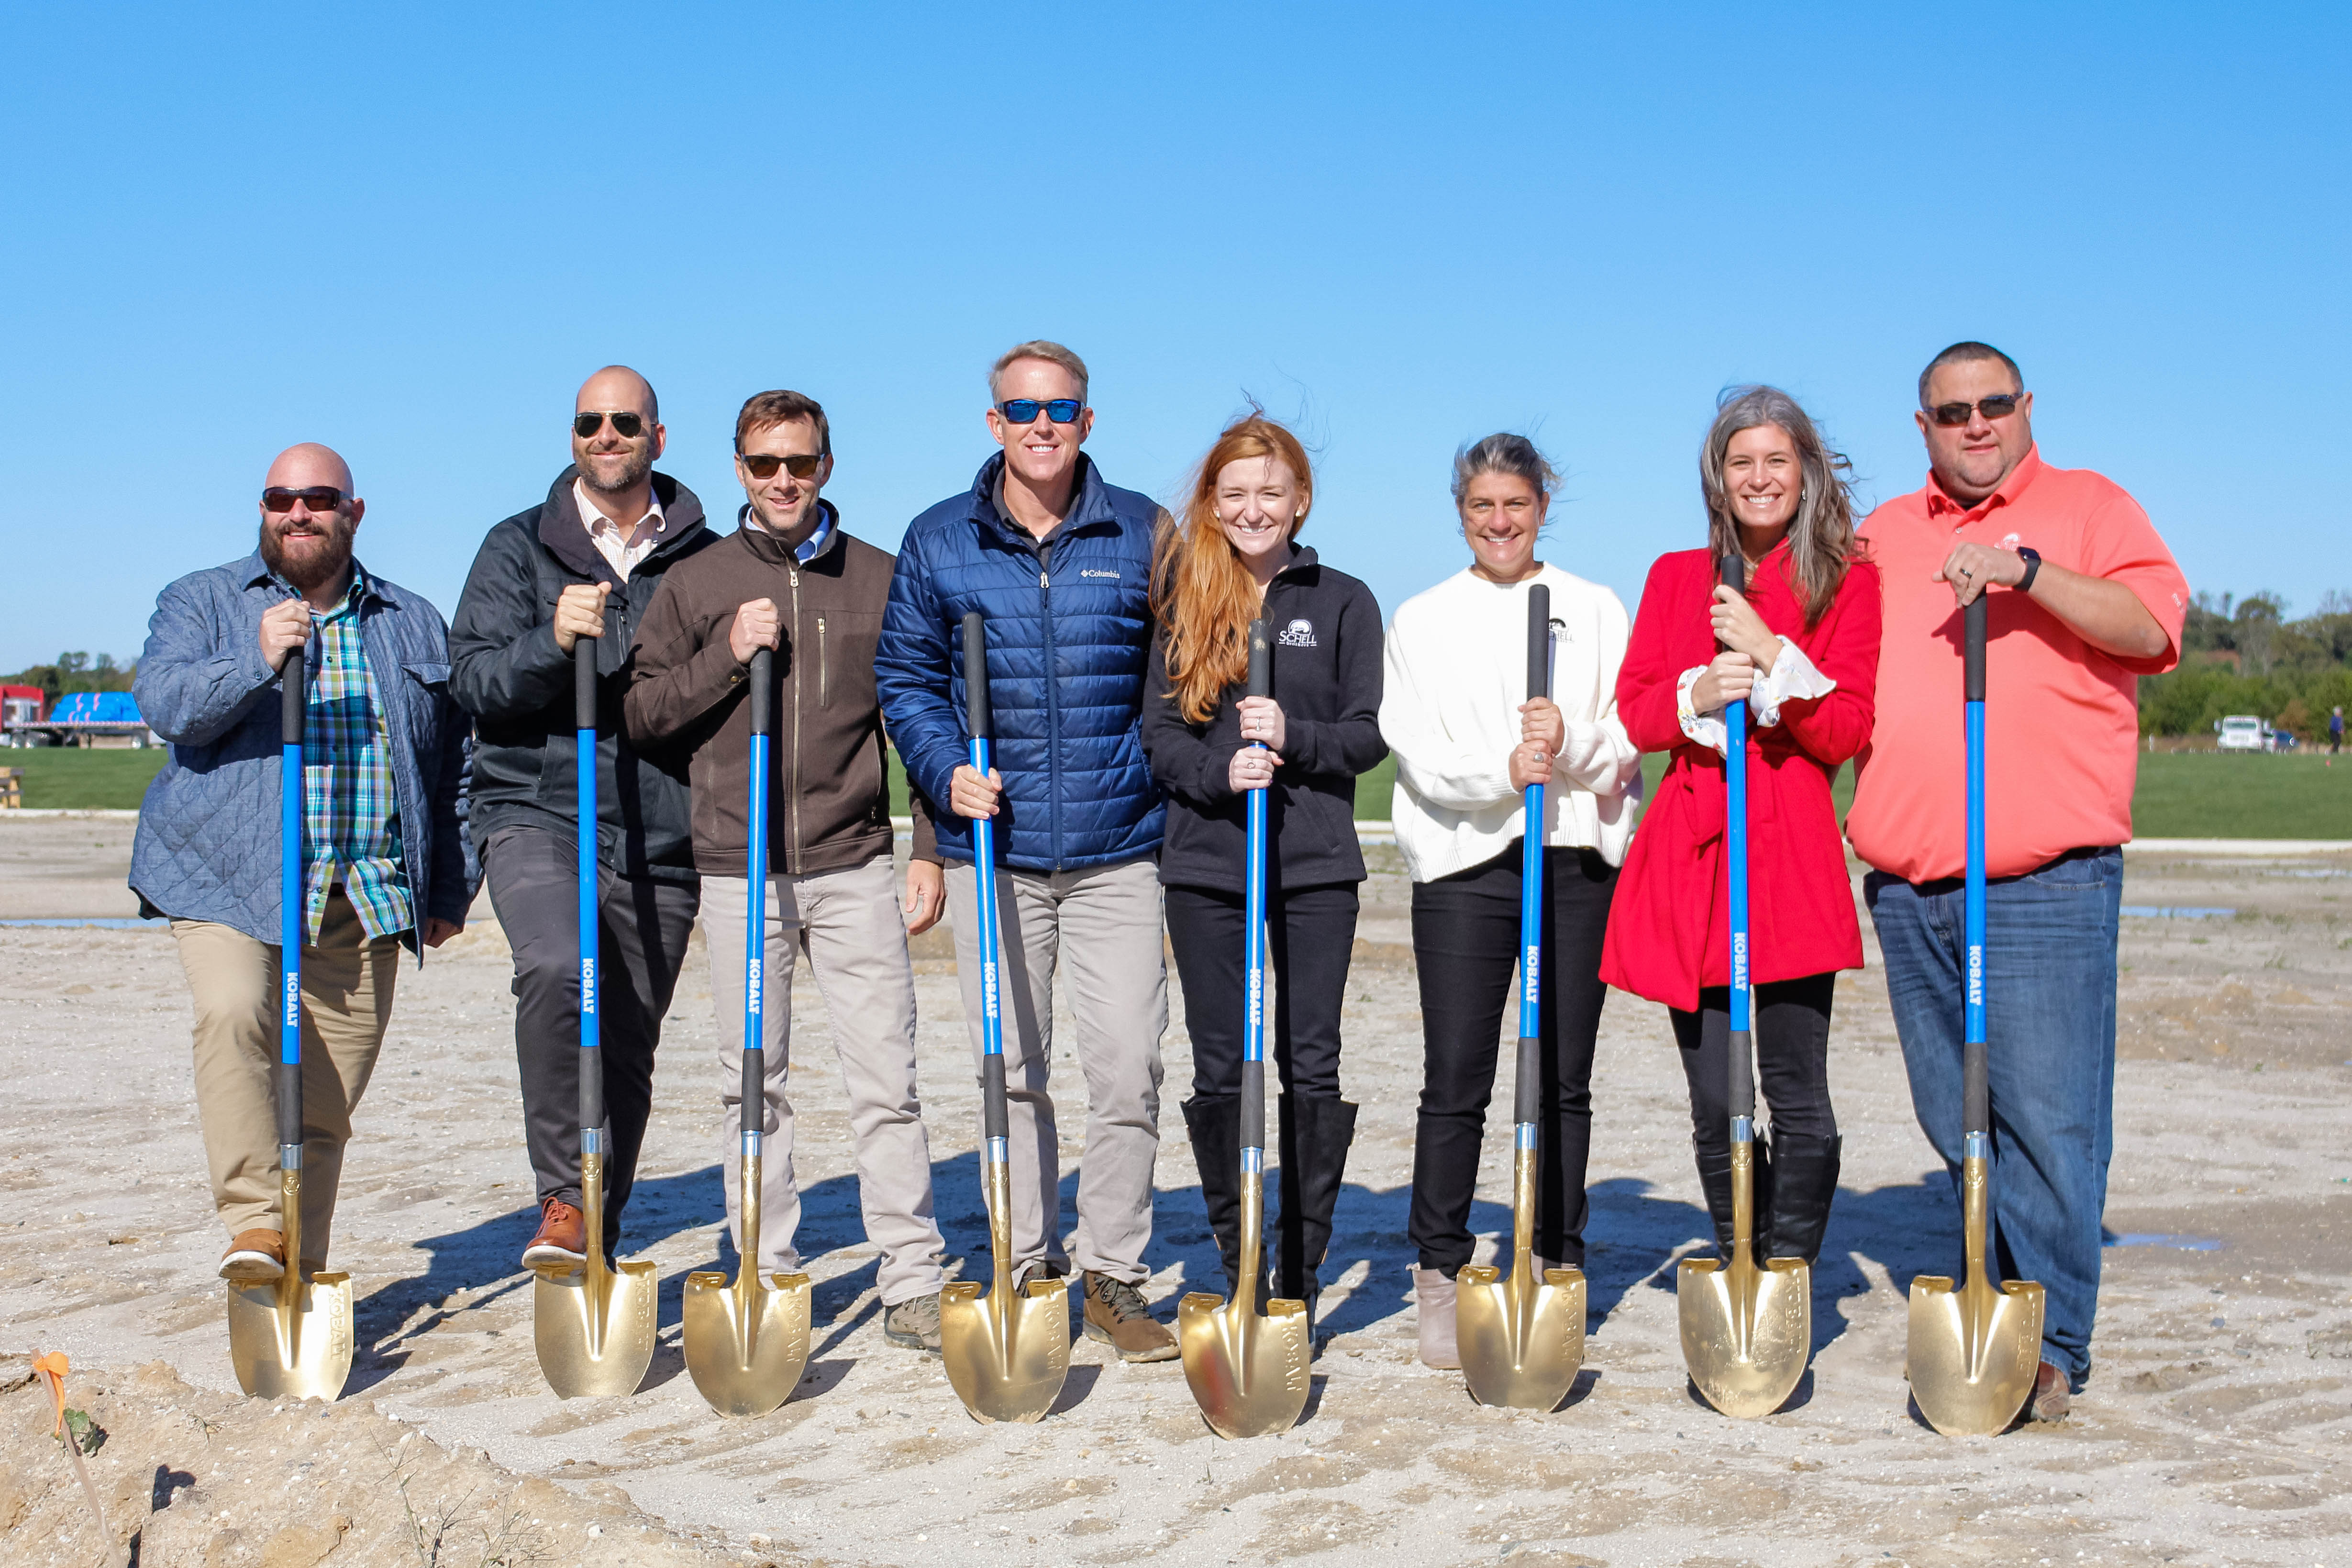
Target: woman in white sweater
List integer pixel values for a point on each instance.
(1468, 741)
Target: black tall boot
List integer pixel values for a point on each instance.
(1216, 1129)
(1804, 1181)
(1715, 1180)
(1326, 1128)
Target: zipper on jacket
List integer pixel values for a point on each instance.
(792, 838)
(1053, 715)
(823, 698)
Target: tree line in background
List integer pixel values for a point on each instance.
(74, 672)
(2243, 656)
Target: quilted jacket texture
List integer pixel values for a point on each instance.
(208, 848)
(1069, 637)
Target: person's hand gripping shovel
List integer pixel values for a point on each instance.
(1521, 1340)
(1248, 1370)
(747, 1342)
(1008, 1352)
(1974, 1350)
(1746, 1330)
(290, 1338)
(593, 1326)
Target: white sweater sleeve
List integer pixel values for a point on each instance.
(1599, 755)
(1430, 763)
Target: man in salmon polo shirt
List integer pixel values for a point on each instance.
(2084, 598)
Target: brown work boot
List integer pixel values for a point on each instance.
(561, 1245)
(1117, 1316)
(1432, 1303)
(2049, 1399)
(254, 1258)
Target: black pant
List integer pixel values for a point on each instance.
(1790, 1022)
(1466, 941)
(641, 928)
(1310, 936)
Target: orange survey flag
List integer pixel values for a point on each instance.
(52, 1368)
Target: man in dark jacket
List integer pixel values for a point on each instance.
(791, 579)
(1060, 564)
(585, 562)
(383, 836)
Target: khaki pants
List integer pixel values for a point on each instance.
(850, 924)
(347, 984)
(1103, 924)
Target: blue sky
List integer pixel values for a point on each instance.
(410, 232)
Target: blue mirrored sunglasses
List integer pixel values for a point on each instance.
(1024, 410)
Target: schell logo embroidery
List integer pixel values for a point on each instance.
(1297, 634)
(1095, 571)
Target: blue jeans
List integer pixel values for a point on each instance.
(2050, 1025)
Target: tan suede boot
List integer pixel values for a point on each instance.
(1433, 1301)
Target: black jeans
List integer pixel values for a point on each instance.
(1790, 1022)
(641, 928)
(1310, 936)
(1465, 941)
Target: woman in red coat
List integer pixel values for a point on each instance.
(1800, 648)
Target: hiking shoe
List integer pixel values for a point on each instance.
(914, 1322)
(2051, 1397)
(561, 1245)
(254, 1258)
(1117, 1316)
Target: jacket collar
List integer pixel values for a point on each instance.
(566, 537)
(254, 573)
(1090, 503)
(1301, 562)
(771, 549)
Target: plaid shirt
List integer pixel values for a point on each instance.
(351, 816)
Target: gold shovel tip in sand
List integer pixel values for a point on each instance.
(291, 1338)
(1008, 1352)
(1973, 1350)
(747, 1341)
(1248, 1370)
(595, 1325)
(1520, 1340)
(1746, 1330)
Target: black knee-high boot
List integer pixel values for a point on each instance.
(1804, 1182)
(1216, 1129)
(1325, 1129)
(1715, 1180)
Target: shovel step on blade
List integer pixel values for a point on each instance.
(1006, 1353)
(746, 1356)
(299, 1349)
(581, 1358)
(1521, 1341)
(1248, 1372)
(1972, 1353)
(1746, 1331)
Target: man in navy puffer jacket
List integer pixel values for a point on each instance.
(1060, 564)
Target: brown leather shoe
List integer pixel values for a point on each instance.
(2050, 1398)
(1117, 1316)
(561, 1245)
(254, 1258)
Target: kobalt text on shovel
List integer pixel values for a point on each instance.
(291, 1339)
(1006, 1353)
(747, 1342)
(1248, 1370)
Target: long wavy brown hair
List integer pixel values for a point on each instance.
(1201, 591)
(1821, 543)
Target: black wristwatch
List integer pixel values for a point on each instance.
(2033, 559)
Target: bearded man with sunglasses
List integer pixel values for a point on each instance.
(584, 562)
(383, 834)
(1060, 564)
(790, 579)
(2084, 598)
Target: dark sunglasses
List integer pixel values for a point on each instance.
(2000, 406)
(625, 425)
(1024, 410)
(764, 465)
(317, 498)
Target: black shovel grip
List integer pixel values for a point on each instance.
(754, 1091)
(1538, 641)
(976, 676)
(584, 683)
(763, 689)
(1261, 659)
(1743, 1070)
(286, 1091)
(592, 1090)
(1527, 1099)
(1973, 649)
(992, 1120)
(1732, 572)
(1253, 1105)
(290, 698)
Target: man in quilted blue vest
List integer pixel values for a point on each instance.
(1060, 564)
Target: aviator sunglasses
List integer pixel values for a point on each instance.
(317, 498)
(1999, 406)
(626, 425)
(764, 465)
(1024, 410)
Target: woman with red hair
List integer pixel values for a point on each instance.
(1231, 558)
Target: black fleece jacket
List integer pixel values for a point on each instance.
(1326, 631)
(505, 670)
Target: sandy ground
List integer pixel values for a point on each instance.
(2213, 1431)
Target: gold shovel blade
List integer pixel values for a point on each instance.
(747, 1341)
(1521, 1340)
(1746, 1331)
(291, 1339)
(594, 1329)
(1248, 1372)
(1973, 1352)
(1006, 1353)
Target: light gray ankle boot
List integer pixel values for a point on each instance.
(1433, 1301)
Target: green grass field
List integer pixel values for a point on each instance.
(2182, 795)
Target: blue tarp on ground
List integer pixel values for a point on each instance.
(95, 708)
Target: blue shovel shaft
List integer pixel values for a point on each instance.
(286, 1084)
(1977, 1107)
(753, 1096)
(584, 766)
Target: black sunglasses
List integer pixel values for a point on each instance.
(317, 498)
(625, 425)
(764, 465)
(1999, 406)
(1024, 410)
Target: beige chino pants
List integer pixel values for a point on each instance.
(848, 923)
(347, 985)
(1102, 927)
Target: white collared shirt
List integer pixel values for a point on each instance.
(624, 553)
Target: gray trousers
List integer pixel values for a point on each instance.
(642, 929)
(850, 924)
(1104, 923)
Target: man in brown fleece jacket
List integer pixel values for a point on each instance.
(791, 580)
